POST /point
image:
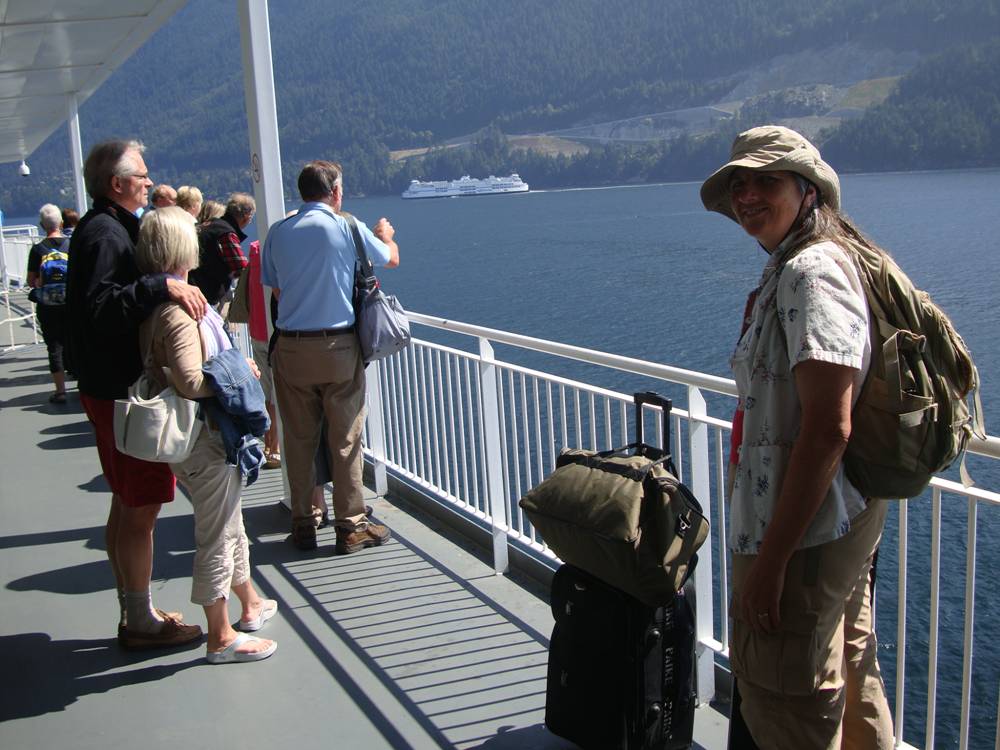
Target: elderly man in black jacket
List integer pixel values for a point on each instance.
(106, 300)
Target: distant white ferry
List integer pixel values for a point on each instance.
(466, 186)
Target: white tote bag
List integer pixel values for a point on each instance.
(156, 425)
(153, 424)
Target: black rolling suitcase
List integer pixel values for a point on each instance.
(620, 672)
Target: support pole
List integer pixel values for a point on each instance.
(262, 115)
(76, 155)
(265, 149)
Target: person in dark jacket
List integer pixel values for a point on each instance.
(106, 301)
(221, 259)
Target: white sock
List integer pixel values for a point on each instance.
(122, 611)
(139, 612)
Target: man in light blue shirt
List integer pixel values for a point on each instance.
(308, 260)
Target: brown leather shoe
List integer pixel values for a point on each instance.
(365, 534)
(321, 518)
(172, 633)
(304, 535)
(123, 631)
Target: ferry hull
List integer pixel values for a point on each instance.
(465, 186)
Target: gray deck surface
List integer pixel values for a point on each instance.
(416, 644)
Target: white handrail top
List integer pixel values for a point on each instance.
(989, 447)
(726, 386)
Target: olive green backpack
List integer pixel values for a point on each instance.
(912, 419)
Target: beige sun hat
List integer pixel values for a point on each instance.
(771, 148)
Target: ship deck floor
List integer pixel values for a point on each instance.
(416, 644)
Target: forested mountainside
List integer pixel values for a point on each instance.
(371, 83)
(946, 113)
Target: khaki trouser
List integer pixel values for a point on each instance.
(222, 554)
(315, 379)
(815, 684)
(259, 350)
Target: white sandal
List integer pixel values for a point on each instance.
(267, 610)
(230, 655)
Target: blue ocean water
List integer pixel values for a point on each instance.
(645, 272)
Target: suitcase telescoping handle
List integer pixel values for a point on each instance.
(653, 399)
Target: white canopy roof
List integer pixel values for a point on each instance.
(51, 51)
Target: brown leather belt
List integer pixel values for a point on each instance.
(323, 332)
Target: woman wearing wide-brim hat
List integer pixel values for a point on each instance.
(803, 646)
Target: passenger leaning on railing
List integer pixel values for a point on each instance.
(308, 260)
(803, 648)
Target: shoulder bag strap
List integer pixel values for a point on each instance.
(147, 359)
(366, 269)
(275, 331)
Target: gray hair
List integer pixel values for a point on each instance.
(107, 160)
(50, 217)
(167, 242)
(241, 204)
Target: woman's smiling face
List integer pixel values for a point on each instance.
(765, 203)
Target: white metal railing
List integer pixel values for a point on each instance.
(478, 432)
(15, 244)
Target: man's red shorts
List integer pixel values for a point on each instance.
(135, 481)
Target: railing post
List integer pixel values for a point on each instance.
(700, 485)
(376, 426)
(4, 279)
(489, 394)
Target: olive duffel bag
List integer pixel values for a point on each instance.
(622, 515)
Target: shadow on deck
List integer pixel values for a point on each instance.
(416, 644)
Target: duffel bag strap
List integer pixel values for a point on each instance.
(597, 461)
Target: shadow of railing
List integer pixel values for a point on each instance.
(463, 667)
